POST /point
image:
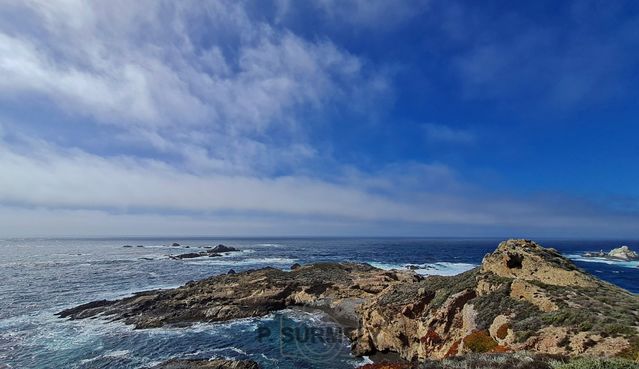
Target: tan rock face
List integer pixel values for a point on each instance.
(551, 340)
(520, 282)
(523, 290)
(524, 259)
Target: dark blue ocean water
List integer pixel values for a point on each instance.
(39, 277)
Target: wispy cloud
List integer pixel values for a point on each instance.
(446, 134)
(211, 113)
(214, 94)
(74, 184)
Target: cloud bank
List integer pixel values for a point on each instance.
(202, 118)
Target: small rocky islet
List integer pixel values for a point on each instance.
(210, 252)
(522, 298)
(623, 253)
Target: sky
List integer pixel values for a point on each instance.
(439, 118)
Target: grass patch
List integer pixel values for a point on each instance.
(593, 363)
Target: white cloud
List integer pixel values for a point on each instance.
(189, 78)
(70, 183)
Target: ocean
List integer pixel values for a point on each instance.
(40, 277)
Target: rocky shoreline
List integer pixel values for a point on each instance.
(522, 298)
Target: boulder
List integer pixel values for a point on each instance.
(175, 244)
(295, 266)
(247, 294)
(623, 253)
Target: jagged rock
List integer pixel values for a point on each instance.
(223, 248)
(623, 253)
(295, 266)
(231, 271)
(620, 253)
(189, 255)
(207, 364)
(524, 290)
(248, 294)
(522, 297)
(524, 259)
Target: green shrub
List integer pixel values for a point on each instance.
(591, 363)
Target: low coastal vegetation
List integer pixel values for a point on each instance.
(520, 360)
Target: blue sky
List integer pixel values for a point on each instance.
(323, 117)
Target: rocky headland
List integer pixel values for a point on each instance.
(523, 297)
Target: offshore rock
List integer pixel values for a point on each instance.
(623, 253)
(223, 248)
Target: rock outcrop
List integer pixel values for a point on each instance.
(522, 297)
(339, 287)
(623, 253)
(223, 248)
(192, 255)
